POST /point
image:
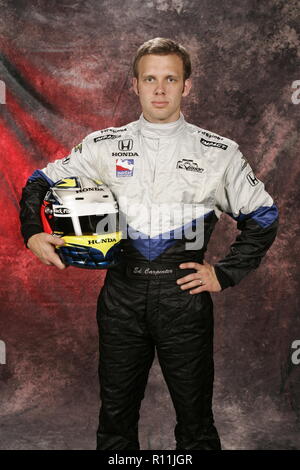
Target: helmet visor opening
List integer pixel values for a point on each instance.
(89, 224)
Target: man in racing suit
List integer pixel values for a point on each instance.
(158, 297)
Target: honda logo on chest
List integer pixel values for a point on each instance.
(125, 144)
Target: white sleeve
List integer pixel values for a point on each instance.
(241, 192)
(82, 161)
(244, 198)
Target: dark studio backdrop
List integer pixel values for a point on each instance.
(66, 66)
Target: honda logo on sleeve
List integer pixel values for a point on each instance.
(252, 178)
(126, 144)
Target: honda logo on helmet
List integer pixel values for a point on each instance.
(125, 144)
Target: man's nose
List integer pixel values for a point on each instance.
(160, 89)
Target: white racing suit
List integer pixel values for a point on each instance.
(156, 171)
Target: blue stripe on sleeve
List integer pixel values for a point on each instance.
(40, 174)
(263, 216)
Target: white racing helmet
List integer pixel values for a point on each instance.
(84, 213)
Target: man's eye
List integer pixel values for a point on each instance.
(171, 79)
(149, 79)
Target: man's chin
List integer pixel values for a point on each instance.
(161, 115)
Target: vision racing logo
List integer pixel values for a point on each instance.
(189, 165)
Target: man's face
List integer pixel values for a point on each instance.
(160, 87)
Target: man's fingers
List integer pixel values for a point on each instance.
(198, 290)
(190, 265)
(194, 287)
(57, 262)
(204, 279)
(56, 240)
(189, 285)
(60, 265)
(193, 276)
(50, 255)
(54, 259)
(44, 261)
(43, 246)
(189, 277)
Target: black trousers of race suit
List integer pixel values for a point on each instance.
(134, 316)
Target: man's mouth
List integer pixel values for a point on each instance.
(160, 104)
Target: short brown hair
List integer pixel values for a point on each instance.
(163, 46)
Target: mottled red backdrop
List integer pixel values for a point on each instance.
(67, 67)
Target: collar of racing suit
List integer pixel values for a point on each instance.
(155, 130)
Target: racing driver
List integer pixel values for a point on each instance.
(158, 296)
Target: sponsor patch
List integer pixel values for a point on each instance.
(124, 154)
(252, 179)
(66, 160)
(125, 145)
(102, 240)
(124, 167)
(111, 129)
(61, 210)
(85, 190)
(211, 136)
(209, 143)
(78, 147)
(68, 183)
(106, 137)
(189, 165)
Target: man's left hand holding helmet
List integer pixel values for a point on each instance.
(80, 225)
(43, 246)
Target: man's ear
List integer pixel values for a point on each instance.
(187, 87)
(135, 85)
